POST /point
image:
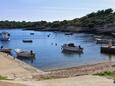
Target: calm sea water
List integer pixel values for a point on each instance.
(49, 56)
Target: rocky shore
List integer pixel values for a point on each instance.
(106, 29)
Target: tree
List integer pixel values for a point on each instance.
(108, 11)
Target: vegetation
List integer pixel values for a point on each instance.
(100, 17)
(93, 19)
(48, 77)
(106, 74)
(3, 78)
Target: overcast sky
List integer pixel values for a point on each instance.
(50, 10)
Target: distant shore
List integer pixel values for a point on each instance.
(106, 30)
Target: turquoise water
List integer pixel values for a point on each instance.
(49, 56)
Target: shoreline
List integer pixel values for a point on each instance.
(80, 30)
(78, 71)
(15, 69)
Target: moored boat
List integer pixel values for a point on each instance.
(24, 54)
(97, 36)
(102, 41)
(68, 33)
(113, 34)
(5, 50)
(72, 48)
(107, 49)
(27, 41)
(4, 36)
(31, 33)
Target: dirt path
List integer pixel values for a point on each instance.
(10, 84)
(87, 80)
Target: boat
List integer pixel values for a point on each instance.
(102, 41)
(68, 33)
(108, 50)
(113, 34)
(31, 33)
(5, 50)
(24, 54)
(4, 36)
(97, 37)
(72, 48)
(27, 41)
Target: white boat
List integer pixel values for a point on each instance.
(72, 48)
(24, 54)
(4, 36)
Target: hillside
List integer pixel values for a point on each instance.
(100, 21)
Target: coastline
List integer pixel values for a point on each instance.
(15, 69)
(78, 71)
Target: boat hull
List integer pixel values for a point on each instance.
(26, 55)
(102, 41)
(27, 41)
(4, 36)
(108, 50)
(5, 50)
(72, 49)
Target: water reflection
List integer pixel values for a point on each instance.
(110, 57)
(26, 59)
(71, 54)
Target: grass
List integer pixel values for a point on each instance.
(106, 74)
(3, 78)
(49, 77)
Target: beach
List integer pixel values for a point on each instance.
(15, 69)
(85, 80)
(19, 73)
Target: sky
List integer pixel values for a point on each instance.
(50, 10)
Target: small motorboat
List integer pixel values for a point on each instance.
(108, 50)
(72, 48)
(68, 33)
(97, 36)
(4, 36)
(5, 50)
(113, 34)
(31, 33)
(24, 54)
(27, 41)
(102, 41)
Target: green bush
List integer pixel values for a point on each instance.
(3, 78)
(106, 73)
